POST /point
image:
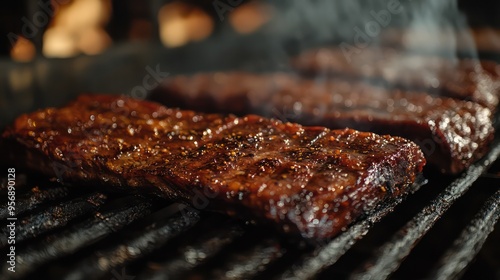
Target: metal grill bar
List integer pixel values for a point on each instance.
(247, 263)
(391, 254)
(194, 254)
(141, 244)
(466, 247)
(56, 216)
(34, 198)
(324, 256)
(79, 235)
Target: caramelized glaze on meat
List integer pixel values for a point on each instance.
(309, 180)
(452, 133)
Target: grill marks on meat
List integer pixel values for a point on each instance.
(452, 133)
(463, 79)
(309, 180)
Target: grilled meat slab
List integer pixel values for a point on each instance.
(452, 133)
(463, 79)
(309, 180)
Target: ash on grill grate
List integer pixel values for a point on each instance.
(35, 197)
(57, 216)
(34, 191)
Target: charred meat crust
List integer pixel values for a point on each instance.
(452, 133)
(308, 180)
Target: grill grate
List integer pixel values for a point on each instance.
(327, 255)
(54, 217)
(393, 253)
(141, 242)
(191, 255)
(77, 233)
(470, 241)
(42, 250)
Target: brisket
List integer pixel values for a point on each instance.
(308, 180)
(463, 79)
(452, 133)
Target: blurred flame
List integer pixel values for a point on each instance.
(181, 23)
(173, 32)
(83, 13)
(93, 40)
(199, 24)
(250, 17)
(24, 50)
(78, 27)
(58, 42)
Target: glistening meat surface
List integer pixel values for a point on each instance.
(309, 180)
(452, 133)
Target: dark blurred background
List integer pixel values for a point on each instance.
(52, 50)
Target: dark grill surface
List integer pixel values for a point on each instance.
(85, 232)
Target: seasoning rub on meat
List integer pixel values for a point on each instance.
(308, 180)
